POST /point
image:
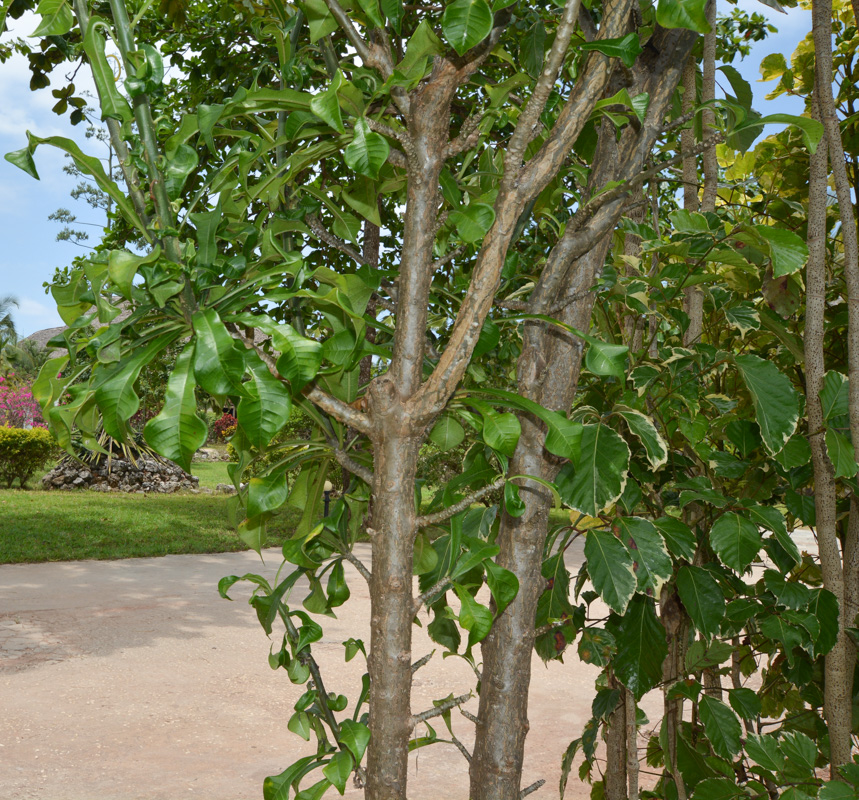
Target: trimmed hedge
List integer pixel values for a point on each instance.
(22, 452)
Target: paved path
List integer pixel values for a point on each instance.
(134, 679)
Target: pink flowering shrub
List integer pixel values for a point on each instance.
(18, 407)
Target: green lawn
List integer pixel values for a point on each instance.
(36, 525)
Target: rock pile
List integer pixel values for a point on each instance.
(121, 475)
(210, 454)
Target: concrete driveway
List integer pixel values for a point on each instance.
(134, 679)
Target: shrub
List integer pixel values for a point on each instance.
(224, 428)
(22, 452)
(18, 408)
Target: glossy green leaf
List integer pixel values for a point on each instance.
(626, 48)
(745, 702)
(114, 393)
(501, 431)
(718, 789)
(606, 359)
(300, 357)
(265, 409)
(113, 104)
(219, 361)
(123, 266)
(466, 23)
(447, 433)
(641, 647)
(610, 568)
(424, 555)
(644, 429)
(473, 221)
(764, 750)
(721, 726)
(367, 151)
(776, 401)
(474, 617)
(57, 18)
(651, 562)
(702, 598)
(177, 168)
(743, 317)
(337, 589)
(735, 540)
(689, 14)
(741, 87)
(356, 737)
(339, 769)
(834, 396)
(503, 584)
(772, 519)
(840, 450)
(678, 536)
(326, 106)
(596, 479)
(788, 251)
(513, 503)
(177, 432)
(299, 724)
(207, 117)
(371, 9)
(394, 11)
(267, 493)
(532, 49)
(23, 159)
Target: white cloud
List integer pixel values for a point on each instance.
(33, 308)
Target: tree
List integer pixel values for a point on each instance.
(356, 223)
(8, 333)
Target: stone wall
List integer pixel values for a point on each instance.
(120, 475)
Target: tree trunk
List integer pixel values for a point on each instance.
(838, 680)
(614, 776)
(391, 617)
(693, 297)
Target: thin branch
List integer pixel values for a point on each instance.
(446, 259)
(681, 120)
(331, 240)
(469, 134)
(392, 133)
(513, 305)
(355, 38)
(532, 788)
(358, 564)
(339, 410)
(461, 747)
(450, 511)
(438, 710)
(433, 590)
(587, 24)
(468, 715)
(422, 661)
(397, 159)
(529, 119)
(353, 466)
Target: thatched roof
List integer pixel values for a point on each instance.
(44, 336)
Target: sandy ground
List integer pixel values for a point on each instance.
(133, 679)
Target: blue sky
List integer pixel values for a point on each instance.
(30, 252)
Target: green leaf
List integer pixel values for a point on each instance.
(606, 359)
(678, 536)
(689, 14)
(23, 159)
(643, 427)
(57, 18)
(422, 44)
(113, 104)
(513, 503)
(764, 751)
(265, 409)
(371, 9)
(367, 151)
(207, 117)
(475, 618)
(840, 451)
(532, 49)
(123, 266)
(741, 87)
(277, 787)
(743, 317)
(745, 702)
(834, 396)
(721, 726)
(717, 789)
(702, 598)
(597, 478)
(300, 357)
(466, 23)
(478, 552)
(177, 432)
(787, 250)
(824, 606)
(641, 647)
(652, 564)
(339, 769)
(626, 49)
(115, 393)
(447, 433)
(735, 540)
(326, 106)
(796, 452)
(473, 221)
(501, 431)
(355, 736)
(772, 519)
(267, 493)
(219, 362)
(503, 584)
(424, 555)
(776, 401)
(837, 790)
(299, 724)
(178, 167)
(610, 568)
(394, 11)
